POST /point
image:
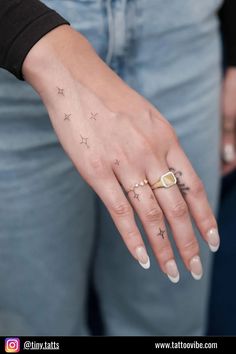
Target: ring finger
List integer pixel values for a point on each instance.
(145, 204)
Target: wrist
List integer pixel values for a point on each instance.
(65, 58)
(58, 57)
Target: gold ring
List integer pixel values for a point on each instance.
(165, 181)
(140, 184)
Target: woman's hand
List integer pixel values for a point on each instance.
(117, 140)
(229, 121)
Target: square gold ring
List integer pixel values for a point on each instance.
(165, 181)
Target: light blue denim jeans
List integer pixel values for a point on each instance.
(53, 230)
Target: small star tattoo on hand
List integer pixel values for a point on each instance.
(161, 233)
(93, 116)
(84, 141)
(67, 116)
(117, 162)
(136, 196)
(60, 91)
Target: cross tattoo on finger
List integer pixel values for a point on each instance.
(161, 233)
(60, 91)
(67, 116)
(93, 116)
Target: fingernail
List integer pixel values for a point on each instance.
(213, 239)
(143, 258)
(229, 153)
(172, 271)
(196, 267)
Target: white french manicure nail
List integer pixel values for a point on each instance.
(172, 271)
(213, 239)
(143, 258)
(196, 267)
(229, 153)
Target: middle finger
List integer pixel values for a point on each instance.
(177, 213)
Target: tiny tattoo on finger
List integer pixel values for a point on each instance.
(161, 233)
(84, 141)
(182, 186)
(93, 116)
(67, 116)
(136, 196)
(117, 162)
(60, 91)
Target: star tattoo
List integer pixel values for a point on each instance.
(60, 91)
(67, 116)
(161, 233)
(117, 162)
(84, 141)
(93, 116)
(136, 196)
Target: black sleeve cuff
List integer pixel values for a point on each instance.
(22, 24)
(228, 25)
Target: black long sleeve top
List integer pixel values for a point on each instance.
(24, 22)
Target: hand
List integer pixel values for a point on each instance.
(229, 121)
(117, 139)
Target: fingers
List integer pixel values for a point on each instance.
(151, 206)
(194, 194)
(151, 216)
(229, 117)
(177, 214)
(228, 143)
(122, 214)
(228, 138)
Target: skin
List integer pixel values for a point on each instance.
(229, 117)
(126, 141)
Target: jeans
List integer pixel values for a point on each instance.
(54, 231)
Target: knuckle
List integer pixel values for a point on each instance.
(154, 214)
(97, 167)
(197, 188)
(131, 237)
(97, 164)
(207, 222)
(179, 210)
(173, 134)
(191, 247)
(165, 252)
(147, 113)
(145, 148)
(121, 209)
